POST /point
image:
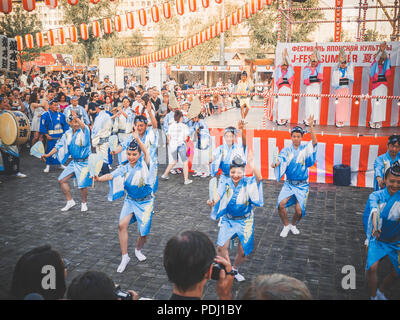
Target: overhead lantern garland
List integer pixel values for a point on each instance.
(6, 6)
(202, 36)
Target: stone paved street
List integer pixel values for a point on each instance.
(331, 234)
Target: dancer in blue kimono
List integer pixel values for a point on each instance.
(234, 202)
(223, 155)
(147, 134)
(294, 161)
(384, 161)
(101, 132)
(137, 179)
(381, 222)
(75, 142)
(79, 110)
(52, 125)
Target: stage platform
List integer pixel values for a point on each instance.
(357, 147)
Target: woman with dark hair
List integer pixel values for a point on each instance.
(42, 271)
(38, 110)
(234, 201)
(137, 178)
(62, 99)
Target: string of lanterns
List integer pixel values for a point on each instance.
(117, 22)
(207, 34)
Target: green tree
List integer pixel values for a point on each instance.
(20, 23)
(263, 27)
(85, 12)
(371, 35)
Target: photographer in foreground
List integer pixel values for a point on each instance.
(190, 261)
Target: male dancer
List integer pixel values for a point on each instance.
(294, 161)
(75, 142)
(381, 221)
(385, 161)
(52, 125)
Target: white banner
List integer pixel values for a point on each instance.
(358, 53)
(12, 55)
(3, 53)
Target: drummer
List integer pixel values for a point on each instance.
(52, 125)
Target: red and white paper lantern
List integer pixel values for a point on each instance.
(130, 23)
(155, 14)
(73, 34)
(205, 3)
(50, 37)
(61, 36)
(83, 28)
(73, 2)
(180, 8)
(5, 6)
(117, 23)
(107, 25)
(96, 28)
(167, 10)
(192, 5)
(142, 17)
(29, 5)
(51, 3)
(39, 39)
(29, 41)
(20, 43)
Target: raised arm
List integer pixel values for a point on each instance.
(151, 115)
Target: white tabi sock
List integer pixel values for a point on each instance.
(124, 262)
(140, 255)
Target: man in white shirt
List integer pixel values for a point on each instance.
(177, 135)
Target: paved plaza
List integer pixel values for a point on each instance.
(331, 234)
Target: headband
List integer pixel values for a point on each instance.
(395, 169)
(298, 129)
(133, 146)
(140, 118)
(71, 117)
(237, 162)
(230, 129)
(394, 139)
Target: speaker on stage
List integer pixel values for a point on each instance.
(341, 175)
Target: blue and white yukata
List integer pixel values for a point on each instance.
(295, 163)
(202, 149)
(79, 109)
(381, 164)
(150, 140)
(53, 124)
(236, 209)
(123, 128)
(388, 217)
(77, 145)
(101, 132)
(223, 156)
(138, 183)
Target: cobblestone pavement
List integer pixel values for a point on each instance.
(331, 234)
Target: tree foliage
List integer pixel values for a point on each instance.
(20, 23)
(263, 27)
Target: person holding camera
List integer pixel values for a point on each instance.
(190, 261)
(236, 196)
(96, 285)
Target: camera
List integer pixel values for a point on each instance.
(122, 294)
(216, 268)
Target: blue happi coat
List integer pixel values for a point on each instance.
(236, 209)
(387, 210)
(137, 182)
(77, 145)
(53, 124)
(295, 163)
(381, 164)
(150, 140)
